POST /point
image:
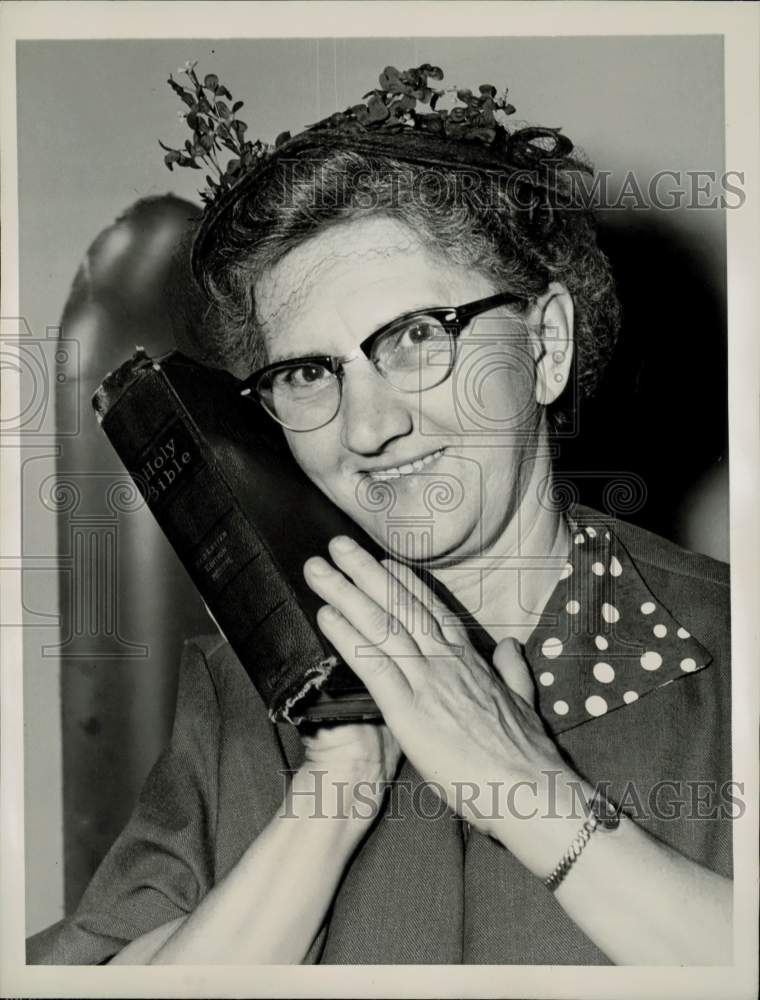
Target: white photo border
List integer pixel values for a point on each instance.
(738, 24)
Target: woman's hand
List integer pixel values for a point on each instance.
(463, 725)
(468, 727)
(346, 760)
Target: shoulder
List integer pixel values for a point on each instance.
(213, 654)
(649, 549)
(695, 588)
(210, 662)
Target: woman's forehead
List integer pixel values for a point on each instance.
(343, 256)
(348, 281)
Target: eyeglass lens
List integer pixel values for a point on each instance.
(413, 355)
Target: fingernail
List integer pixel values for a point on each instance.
(319, 566)
(343, 543)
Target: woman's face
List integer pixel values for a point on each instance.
(434, 475)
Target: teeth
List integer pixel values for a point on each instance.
(404, 470)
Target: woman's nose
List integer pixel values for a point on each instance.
(372, 412)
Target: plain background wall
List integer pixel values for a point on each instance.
(89, 117)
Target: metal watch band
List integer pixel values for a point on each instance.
(595, 821)
(572, 854)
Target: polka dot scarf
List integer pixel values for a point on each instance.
(604, 641)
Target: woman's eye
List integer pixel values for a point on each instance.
(407, 340)
(301, 377)
(417, 342)
(419, 332)
(307, 374)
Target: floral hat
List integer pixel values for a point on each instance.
(406, 117)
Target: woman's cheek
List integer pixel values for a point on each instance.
(490, 392)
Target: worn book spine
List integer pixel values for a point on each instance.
(235, 508)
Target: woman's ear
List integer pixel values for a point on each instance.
(556, 343)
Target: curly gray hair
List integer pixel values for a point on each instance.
(523, 235)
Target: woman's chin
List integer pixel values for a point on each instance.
(436, 543)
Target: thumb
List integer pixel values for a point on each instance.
(510, 665)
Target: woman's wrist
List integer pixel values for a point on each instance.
(539, 819)
(350, 797)
(253, 914)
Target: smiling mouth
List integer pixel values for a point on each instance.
(408, 469)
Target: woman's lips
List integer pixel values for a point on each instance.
(406, 468)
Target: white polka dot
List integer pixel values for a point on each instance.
(598, 569)
(683, 634)
(688, 665)
(579, 539)
(567, 571)
(610, 613)
(551, 648)
(561, 707)
(572, 607)
(604, 673)
(546, 678)
(607, 535)
(600, 642)
(615, 568)
(647, 608)
(630, 696)
(596, 705)
(660, 631)
(591, 532)
(651, 661)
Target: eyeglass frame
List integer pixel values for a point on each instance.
(454, 320)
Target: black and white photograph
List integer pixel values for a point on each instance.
(379, 471)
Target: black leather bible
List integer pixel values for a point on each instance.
(220, 480)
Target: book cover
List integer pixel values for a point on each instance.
(220, 480)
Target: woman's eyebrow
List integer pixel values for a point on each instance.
(270, 343)
(295, 355)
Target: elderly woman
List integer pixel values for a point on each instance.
(414, 295)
